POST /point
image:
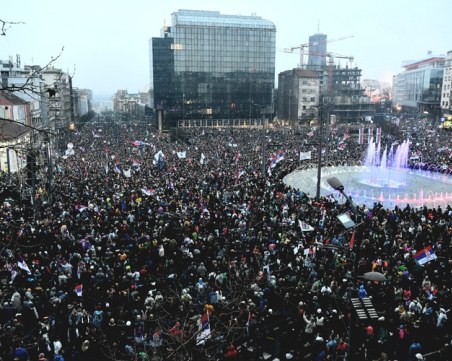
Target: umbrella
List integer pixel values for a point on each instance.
(374, 276)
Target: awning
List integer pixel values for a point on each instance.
(10, 130)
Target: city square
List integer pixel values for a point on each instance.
(229, 210)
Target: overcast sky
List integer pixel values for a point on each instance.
(106, 41)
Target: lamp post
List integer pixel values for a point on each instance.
(323, 116)
(363, 307)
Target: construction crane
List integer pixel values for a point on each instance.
(332, 56)
(302, 47)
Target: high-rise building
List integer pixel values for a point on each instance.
(210, 65)
(317, 51)
(418, 88)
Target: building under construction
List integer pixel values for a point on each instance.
(339, 87)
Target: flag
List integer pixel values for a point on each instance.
(341, 146)
(361, 136)
(23, 265)
(276, 158)
(240, 172)
(202, 158)
(138, 143)
(159, 160)
(79, 290)
(378, 136)
(346, 136)
(248, 323)
(352, 241)
(81, 208)
(304, 227)
(305, 155)
(310, 134)
(425, 255)
(95, 135)
(181, 155)
(148, 192)
(237, 156)
(118, 168)
(203, 329)
(158, 155)
(370, 135)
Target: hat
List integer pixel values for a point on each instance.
(289, 356)
(112, 322)
(319, 310)
(419, 356)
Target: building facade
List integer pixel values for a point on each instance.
(418, 89)
(298, 96)
(345, 96)
(446, 94)
(210, 65)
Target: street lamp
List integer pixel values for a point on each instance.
(324, 110)
(337, 185)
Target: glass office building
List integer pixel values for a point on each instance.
(210, 65)
(418, 88)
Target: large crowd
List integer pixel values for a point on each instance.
(187, 246)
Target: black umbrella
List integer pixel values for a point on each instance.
(374, 276)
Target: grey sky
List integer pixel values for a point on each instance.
(106, 41)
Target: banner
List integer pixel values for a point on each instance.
(182, 155)
(305, 227)
(305, 155)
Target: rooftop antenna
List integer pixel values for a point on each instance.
(318, 26)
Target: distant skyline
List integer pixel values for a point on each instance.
(106, 43)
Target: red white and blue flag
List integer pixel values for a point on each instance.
(23, 265)
(203, 329)
(79, 290)
(276, 158)
(425, 255)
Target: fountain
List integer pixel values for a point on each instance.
(384, 177)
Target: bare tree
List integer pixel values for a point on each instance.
(6, 25)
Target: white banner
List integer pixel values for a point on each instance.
(305, 155)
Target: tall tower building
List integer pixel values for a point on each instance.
(317, 52)
(210, 65)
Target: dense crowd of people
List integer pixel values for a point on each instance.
(188, 245)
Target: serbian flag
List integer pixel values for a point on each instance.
(276, 158)
(148, 192)
(79, 290)
(203, 330)
(23, 265)
(352, 241)
(425, 255)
